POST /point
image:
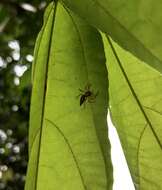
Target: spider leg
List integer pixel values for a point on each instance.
(87, 87)
(81, 90)
(93, 96)
(91, 100)
(79, 95)
(96, 94)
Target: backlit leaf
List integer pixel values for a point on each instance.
(68, 143)
(136, 109)
(135, 25)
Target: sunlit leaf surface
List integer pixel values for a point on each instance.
(136, 109)
(135, 25)
(68, 144)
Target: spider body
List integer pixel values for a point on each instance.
(84, 97)
(87, 95)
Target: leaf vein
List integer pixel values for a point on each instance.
(128, 33)
(71, 150)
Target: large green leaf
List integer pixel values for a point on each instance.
(136, 110)
(135, 25)
(68, 144)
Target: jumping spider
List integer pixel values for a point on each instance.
(87, 95)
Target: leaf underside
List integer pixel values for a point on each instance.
(136, 110)
(135, 25)
(68, 144)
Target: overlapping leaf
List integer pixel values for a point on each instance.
(68, 144)
(135, 25)
(136, 110)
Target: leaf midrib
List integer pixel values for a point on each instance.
(44, 94)
(138, 103)
(134, 93)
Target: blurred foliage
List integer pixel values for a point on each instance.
(20, 22)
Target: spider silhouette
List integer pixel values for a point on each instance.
(87, 95)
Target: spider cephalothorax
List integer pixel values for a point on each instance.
(87, 95)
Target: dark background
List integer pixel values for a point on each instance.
(20, 22)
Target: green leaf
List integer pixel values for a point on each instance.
(136, 109)
(135, 25)
(68, 143)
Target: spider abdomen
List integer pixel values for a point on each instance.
(87, 95)
(84, 97)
